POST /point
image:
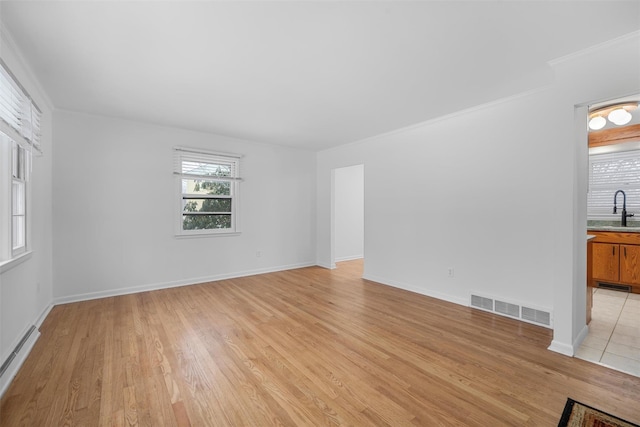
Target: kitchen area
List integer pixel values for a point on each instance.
(613, 236)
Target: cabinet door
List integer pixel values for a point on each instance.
(630, 264)
(606, 262)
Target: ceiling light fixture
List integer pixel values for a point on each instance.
(618, 114)
(597, 122)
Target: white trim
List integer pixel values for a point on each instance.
(349, 258)
(43, 315)
(411, 288)
(207, 152)
(591, 49)
(455, 114)
(13, 262)
(581, 336)
(175, 284)
(210, 233)
(327, 266)
(561, 348)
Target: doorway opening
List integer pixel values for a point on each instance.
(613, 339)
(347, 237)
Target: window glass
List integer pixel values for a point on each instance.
(18, 200)
(209, 186)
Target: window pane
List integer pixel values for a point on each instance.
(198, 186)
(206, 205)
(18, 198)
(205, 222)
(18, 161)
(18, 231)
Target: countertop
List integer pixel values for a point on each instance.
(613, 229)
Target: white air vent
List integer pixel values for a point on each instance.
(482, 302)
(510, 309)
(536, 316)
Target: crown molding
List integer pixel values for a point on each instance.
(7, 40)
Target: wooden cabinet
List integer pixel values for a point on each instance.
(615, 258)
(606, 262)
(630, 264)
(616, 263)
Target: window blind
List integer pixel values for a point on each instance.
(190, 163)
(608, 173)
(20, 117)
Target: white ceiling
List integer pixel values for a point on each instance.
(306, 74)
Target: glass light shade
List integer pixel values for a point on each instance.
(597, 122)
(619, 116)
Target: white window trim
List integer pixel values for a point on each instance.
(9, 254)
(25, 168)
(20, 120)
(14, 262)
(179, 154)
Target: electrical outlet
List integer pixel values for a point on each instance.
(258, 254)
(450, 271)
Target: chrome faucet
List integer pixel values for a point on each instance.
(623, 219)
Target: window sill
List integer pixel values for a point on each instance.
(9, 264)
(201, 235)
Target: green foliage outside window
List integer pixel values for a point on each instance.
(210, 213)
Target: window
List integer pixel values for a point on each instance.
(18, 200)
(208, 185)
(609, 173)
(19, 140)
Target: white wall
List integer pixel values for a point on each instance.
(493, 192)
(114, 202)
(26, 288)
(349, 212)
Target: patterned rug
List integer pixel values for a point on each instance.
(577, 414)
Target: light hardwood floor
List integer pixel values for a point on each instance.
(305, 347)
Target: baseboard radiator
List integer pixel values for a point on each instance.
(509, 309)
(16, 350)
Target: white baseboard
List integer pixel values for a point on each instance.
(327, 266)
(581, 336)
(174, 284)
(43, 315)
(349, 258)
(412, 288)
(570, 349)
(561, 348)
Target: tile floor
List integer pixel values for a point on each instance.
(614, 331)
